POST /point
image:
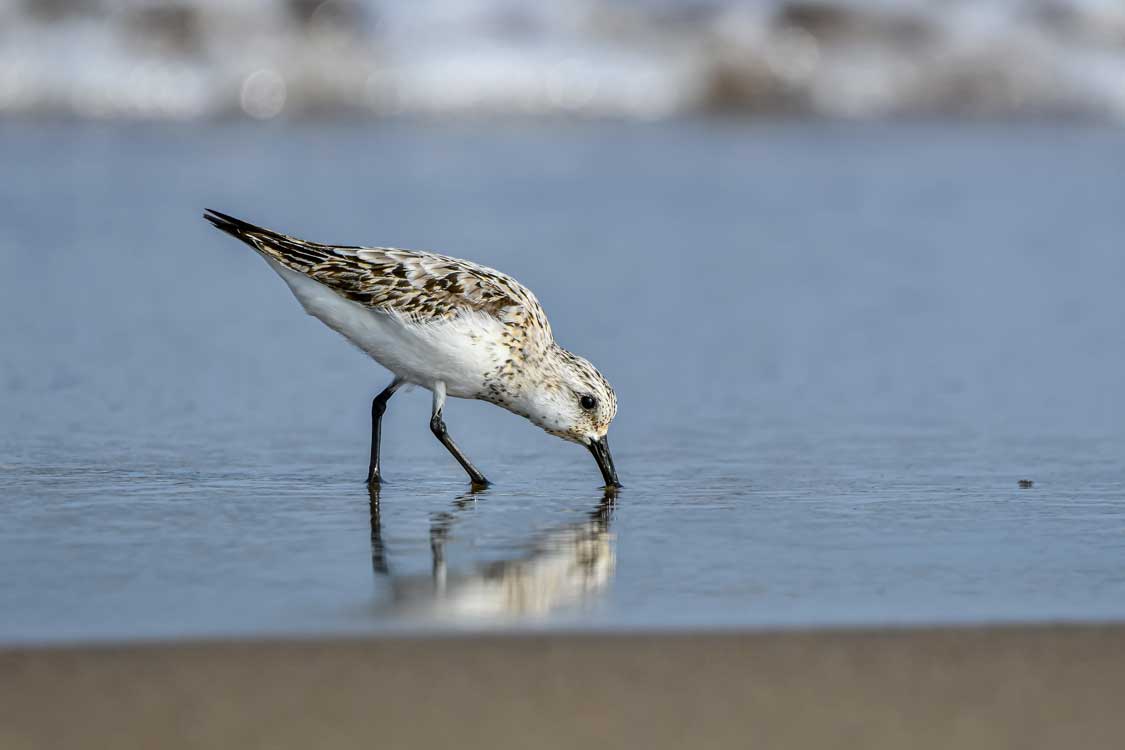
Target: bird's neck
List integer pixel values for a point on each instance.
(535, 382)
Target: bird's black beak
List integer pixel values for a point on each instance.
(600, 449)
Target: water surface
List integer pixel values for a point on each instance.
(837, 350)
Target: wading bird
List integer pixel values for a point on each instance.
(453, 327)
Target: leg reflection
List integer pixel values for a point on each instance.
(378, 551)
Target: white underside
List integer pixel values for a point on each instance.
(456, 352)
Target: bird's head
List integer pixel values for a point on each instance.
(575, 402)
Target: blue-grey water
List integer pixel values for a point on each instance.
(837, 348)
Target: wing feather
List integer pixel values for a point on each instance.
(420, 285)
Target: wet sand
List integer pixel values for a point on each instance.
(1026, 687)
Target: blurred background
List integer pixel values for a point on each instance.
(853, 267)
(631, 59)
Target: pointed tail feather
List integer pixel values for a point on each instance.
(236, 227)
(291, 251)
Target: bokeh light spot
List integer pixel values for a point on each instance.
(263, 94)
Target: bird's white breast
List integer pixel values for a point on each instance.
(457, 352)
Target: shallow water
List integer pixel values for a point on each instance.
(837, 350)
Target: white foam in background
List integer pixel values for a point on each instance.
(644, 59)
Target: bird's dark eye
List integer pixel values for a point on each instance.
(588, 402)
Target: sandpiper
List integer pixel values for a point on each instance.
(453, 327)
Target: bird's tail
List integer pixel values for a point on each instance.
(232, 226)
(290, 251)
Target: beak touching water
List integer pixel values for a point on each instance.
(600, 449)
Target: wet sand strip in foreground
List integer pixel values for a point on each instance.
(989, 687)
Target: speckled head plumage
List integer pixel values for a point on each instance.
(573, 400)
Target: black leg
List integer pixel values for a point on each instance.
(378, 407)
(437, 426)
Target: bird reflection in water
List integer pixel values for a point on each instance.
(566, 566)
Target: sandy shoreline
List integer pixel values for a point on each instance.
(1049, 686)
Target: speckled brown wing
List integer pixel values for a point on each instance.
(420, 285)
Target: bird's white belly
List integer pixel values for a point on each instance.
(457, 352)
